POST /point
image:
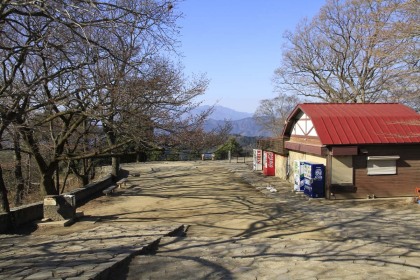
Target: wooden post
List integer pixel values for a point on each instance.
(328, 176)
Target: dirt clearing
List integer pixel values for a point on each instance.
(242, 230)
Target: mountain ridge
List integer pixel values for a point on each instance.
(223, 113)
(242, 123)
(243, 127)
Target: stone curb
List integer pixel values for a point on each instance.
(93, 254)
(106, 273)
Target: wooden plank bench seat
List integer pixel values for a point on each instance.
(121, 182)
(109, 190)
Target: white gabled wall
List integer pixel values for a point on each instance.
(304, 126)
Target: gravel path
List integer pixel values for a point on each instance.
(241, 229)
(240, 225)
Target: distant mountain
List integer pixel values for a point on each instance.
(223, 113)
(242, 123)
(243, 127)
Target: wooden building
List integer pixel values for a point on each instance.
(369, 150)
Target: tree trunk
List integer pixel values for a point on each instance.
(86, 169)
(112, 140)
(4, 200)
(83, 173)
(47, 170)
(115, 166)
(66, 177)
(47, 184)
(92, 169)
(18, 175)
(5, 207)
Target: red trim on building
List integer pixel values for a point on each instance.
(311, 149)
(344, 151)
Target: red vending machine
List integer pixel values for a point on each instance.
(269, 164)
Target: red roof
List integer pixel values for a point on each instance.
(360, 123)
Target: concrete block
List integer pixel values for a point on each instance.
(59, 207)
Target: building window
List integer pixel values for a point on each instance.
(382, 165)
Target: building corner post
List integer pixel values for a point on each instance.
(328, 176)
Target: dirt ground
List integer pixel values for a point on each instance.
(218, 199)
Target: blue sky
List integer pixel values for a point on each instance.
(237, 43)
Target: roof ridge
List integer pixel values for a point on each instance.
(362, 123)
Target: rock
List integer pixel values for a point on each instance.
(411, 200)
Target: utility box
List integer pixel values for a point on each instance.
(59, 207)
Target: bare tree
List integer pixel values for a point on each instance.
(406, 30)
(354, 51)
(47, 50)
(271, 114)
(197, 140)
(164, 100)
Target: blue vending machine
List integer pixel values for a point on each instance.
(314, 179)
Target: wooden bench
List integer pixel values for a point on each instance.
(121, 182)
(109, 190)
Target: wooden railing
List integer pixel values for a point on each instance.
(273, 144)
